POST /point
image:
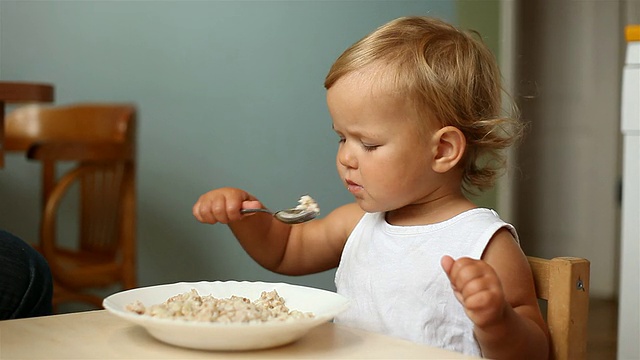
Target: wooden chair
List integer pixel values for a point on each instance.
(98, 142)
(564, 283)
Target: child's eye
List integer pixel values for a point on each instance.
(369, 147)
(341, 140)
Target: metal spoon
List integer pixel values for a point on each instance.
(288, 216)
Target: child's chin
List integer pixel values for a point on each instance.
(368, 207)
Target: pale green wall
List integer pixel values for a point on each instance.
(483, 16)
(228, 93)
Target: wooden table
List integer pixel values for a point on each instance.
(101, 335)
(20, 92)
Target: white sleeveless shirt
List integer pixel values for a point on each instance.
(395, 283)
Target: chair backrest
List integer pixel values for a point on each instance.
(100, 140)
(82, 122)
(564, 283)
(94, 123)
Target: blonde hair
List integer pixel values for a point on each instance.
(447, 75)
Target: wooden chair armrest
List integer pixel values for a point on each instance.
(564, 283)
(78, 151)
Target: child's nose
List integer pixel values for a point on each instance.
(346, 157)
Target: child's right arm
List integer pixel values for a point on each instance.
(287, 249)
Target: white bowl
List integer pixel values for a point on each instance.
(325, 305)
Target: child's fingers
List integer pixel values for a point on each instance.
(477, 287)
(478, 300)
(251, 204)
(212, 210)
(467, 276)
(223, 205)
(462, 271)
(199, 209)
(447, 262)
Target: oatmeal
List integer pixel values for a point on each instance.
(191, 306)
(307, 203)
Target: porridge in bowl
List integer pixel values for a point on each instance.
(191, 306)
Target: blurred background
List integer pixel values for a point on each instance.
(229, 93)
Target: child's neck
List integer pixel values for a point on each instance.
(431, 211)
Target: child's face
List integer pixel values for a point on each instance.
(384, 158)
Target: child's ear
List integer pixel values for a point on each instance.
(450, 145)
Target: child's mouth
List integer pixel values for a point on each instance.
(353, 187)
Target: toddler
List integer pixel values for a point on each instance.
(417, 108)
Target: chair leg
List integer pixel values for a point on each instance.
(62, 295)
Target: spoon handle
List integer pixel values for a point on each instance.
(250, 211)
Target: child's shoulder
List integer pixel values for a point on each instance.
(344, 218)
(349, 214)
